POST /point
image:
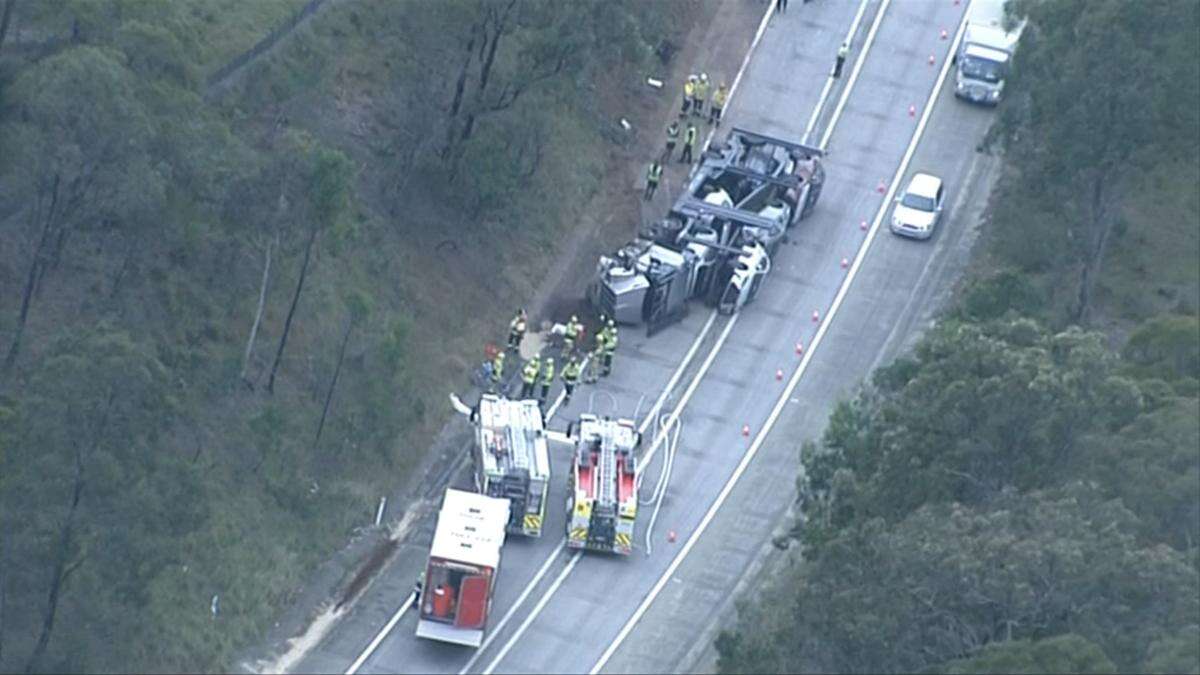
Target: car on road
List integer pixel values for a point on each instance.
(919, 207)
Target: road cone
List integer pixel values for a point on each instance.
(945, 34)
(799, 348)
(816, 316)
(745, 429)
(778, 373)
(882, 187)
(912, 111)
(671, 536)
(845, 263)
(862, 225)
(932, 58)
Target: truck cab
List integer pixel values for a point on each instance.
(984, 57)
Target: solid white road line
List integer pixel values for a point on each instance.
(687, 358)
(812, 121)
(537, 609)
(383, 633)
(493, 632)
(795, 379)
(858, 63)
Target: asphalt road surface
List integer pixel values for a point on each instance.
(559, 611)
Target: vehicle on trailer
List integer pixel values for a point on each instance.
(602, 485)
(464, 561)
(716, 242)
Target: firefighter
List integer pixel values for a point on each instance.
(516, 330)
(571, 334)
(497, 372)
(689, 144)
(529, 377)
(610, 346)
(672, 138)
(718, 105)
(547, 380)
(841, 60)
(701, 95)
(653, 175)
(689, 91)
(570, 376)
(596, 356)
(417, 587)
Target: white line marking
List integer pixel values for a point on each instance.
(762, 27)
(687, 358)
(795, 379)
(858, 64)
(383, 633)
(537, 578)
(812, 121)
(537, 609)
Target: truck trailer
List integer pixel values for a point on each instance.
(984, 57)
(716, 242)
(464, 561)
(602, 487)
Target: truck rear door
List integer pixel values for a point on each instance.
(472, 602)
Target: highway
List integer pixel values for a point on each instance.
(556, 611)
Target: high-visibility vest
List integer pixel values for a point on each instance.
(842, 52)
(689, 138)
(672, 132)
(571, 372)
(529, 375)
(498, 366)
(701, 90)
(719, 97)
(654, 174)
(610, 342)
(688, 89)
(548, 373)
(518, 325)
(572, 330)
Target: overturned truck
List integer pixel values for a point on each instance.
(717, 241)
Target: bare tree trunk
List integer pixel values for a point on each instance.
(337, 371)
(287, 324)
(35, 265)
(262, 300)
(6, 19)
(1101, 225)
(459, 87)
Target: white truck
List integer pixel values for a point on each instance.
(984, 56)
(464, 561)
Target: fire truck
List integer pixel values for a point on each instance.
(602, 487)
(511, 459)
(464, 560)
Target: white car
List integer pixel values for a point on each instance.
(919, 207)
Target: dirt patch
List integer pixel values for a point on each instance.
(381, 554)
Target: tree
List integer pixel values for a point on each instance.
(331, 173)
(980, 408)
(1075, 144)
(1061, 654)
(949, 579)
(82, 165)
